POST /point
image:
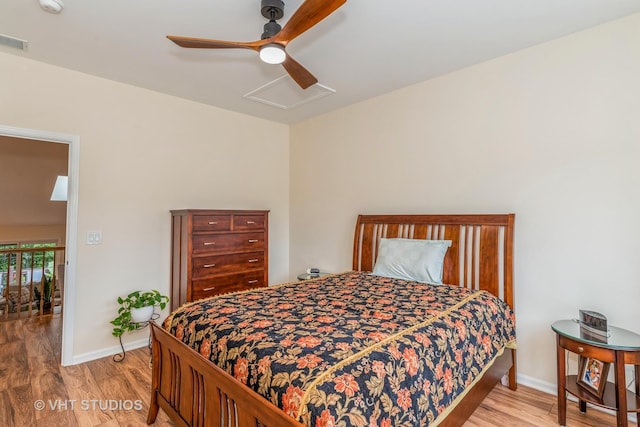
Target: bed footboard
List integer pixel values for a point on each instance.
(192, 391)
(195, 392)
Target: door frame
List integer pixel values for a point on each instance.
(73, 166)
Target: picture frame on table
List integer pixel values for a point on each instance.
(592, 375)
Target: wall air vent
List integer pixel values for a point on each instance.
(13, 42)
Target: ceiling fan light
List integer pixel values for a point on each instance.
(272, 53)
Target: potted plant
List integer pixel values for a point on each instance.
(46, 293)
(135, 309)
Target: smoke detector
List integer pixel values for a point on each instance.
(52, 6)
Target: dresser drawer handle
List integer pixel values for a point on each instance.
(208, 243)
(253, 240)
(580, 349)
(208, 265)
(213, 222)
(251, 282)
(208, 289)
(254, 260)
(251, 222)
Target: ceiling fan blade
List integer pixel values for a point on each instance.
(301, 75)
(191, 42)
(308, 14)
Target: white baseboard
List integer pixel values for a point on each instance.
(551, 388)
(110, 351)
(544, 386)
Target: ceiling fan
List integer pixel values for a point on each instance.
(274, 40)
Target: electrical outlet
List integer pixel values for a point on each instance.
(94, 237)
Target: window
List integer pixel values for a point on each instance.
(33, 264)
(7, 262)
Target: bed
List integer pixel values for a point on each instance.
(352, 348)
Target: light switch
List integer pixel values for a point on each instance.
(94, 237)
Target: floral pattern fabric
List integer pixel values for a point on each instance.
(351, 349)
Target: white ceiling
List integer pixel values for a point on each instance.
(364, 49)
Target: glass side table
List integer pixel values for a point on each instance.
(621, 347)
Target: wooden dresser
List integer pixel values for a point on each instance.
(217, 251)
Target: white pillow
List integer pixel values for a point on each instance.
(412, 259)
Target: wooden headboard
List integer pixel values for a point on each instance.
(480, 256)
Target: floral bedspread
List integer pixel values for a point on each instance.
(351, 349)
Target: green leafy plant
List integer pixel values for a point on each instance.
(137, 299)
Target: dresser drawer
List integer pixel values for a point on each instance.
(204, 266)
(248, 222)
(211, 222)
(233, 282)
(241, 242)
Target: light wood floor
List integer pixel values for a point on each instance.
(30, 371)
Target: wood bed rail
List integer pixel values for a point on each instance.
(194, 392)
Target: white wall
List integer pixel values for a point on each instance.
(28, 172)
(142, 154)
(551, 133)
(54, 232)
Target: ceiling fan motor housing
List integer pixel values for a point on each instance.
(272, 9)
(271, 28)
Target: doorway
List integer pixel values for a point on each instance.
(72, 142)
